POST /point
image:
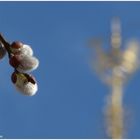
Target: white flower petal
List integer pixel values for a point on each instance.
(28, 64)
(27, 89)
(26, 50)
(24, 86)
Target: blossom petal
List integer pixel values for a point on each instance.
(18, 48)
(27, 89)
(28, 64)
(25, 83)
(26, 50)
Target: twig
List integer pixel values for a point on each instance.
(6, 45)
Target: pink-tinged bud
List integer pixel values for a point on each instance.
(21, 49)
(25, 83)
(16, 45)
(2, 51)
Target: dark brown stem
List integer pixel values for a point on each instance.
(6, 45)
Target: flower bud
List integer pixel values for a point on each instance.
(15, 61)
(28, 64)
(19, 48)
(24, 63)
(16, 45)
(25, 83)
(2, 51)
(26, 50)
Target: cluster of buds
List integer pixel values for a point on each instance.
(22, 60)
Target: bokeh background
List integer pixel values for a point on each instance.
(71, 97)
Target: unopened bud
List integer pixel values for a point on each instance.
(24, 63)
(15, 61)
(25, 83)
(18, 48)
(28, 64)
(16, 45)
(26, 50)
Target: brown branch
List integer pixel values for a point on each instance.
(6, 45)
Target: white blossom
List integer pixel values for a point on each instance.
(28, 64)
(24, 85)
(24, 63)
(27, 89)
(21, 49)
(26, 50)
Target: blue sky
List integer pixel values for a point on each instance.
(70, 100)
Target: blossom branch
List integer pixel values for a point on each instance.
(22, 60)
(5, 44)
